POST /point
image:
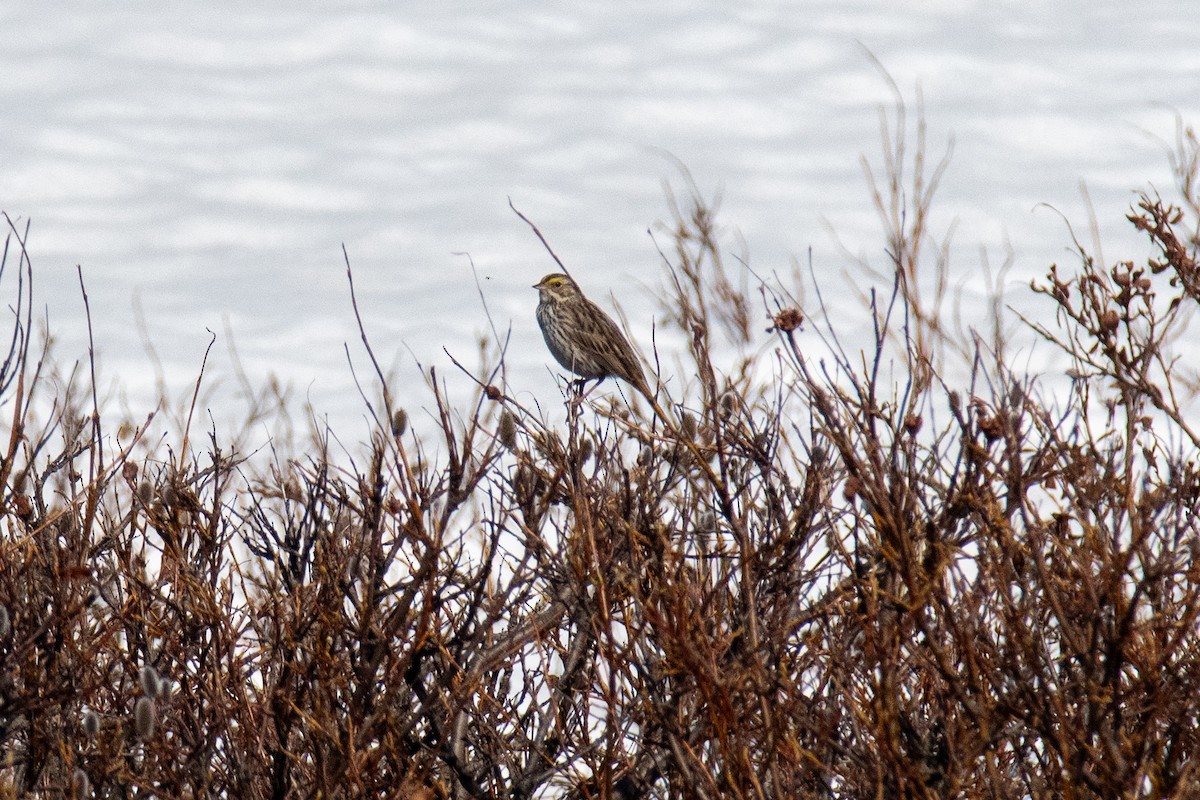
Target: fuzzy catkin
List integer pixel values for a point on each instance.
(81, 787)
(687, 426)
(149, 681)
(144, 718)
(508, 430)
(399, 422)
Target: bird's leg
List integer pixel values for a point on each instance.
(576, 392)
(583, 382)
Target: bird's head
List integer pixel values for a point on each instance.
(556, 286)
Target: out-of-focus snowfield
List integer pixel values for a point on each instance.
(206, 165)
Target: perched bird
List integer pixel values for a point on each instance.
(582, 337)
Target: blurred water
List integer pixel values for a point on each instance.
(206, 164)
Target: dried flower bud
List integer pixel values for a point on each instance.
(493, 392)
(1121, 278)
(144, 718)
(129, 471)
(508, 429)
(1143, 283)
(91, 723)
(1109, 321)
(149, 681)
(399, 422)
(145, 492)
(585, 450)
(1062, 292)
(913, 423)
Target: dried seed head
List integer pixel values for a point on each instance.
(22, 506)
(687, 426)
(169, 496)
(1109, 321)
(80, 785)
(508, 429)
(292, 490)
(145, 492)
(819, 454)
(109, 588)
(852, 488)
(550, 445)
(1143, 283)
(729, 403)
(676, 454)
(955, 402)
(399, 422)
(646, 456)
(149, 681)
(788, 320)
(129, 471)
(524, 485)
(144, 718)
(913, 423)
(91, 723)
(585, 450)
(493, 392)
(992, 427)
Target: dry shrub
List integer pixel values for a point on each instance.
(852, 579)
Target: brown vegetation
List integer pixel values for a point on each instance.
(857, 578)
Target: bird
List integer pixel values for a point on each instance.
(582, 337)
(586, 341)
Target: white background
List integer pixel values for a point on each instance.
(206, 164)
